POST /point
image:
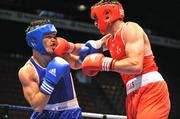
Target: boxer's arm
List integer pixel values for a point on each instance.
(77, 48)
(51, 79)
(104, 40)
(30, 86)
(134, 49)
(73, 60)
(133, 63)
(101, 42)
(94, 46)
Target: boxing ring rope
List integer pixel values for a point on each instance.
(84, 114)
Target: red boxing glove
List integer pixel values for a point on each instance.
(96, 62)
(63, 47)
(90, 72)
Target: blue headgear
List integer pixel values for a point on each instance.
(34, 38)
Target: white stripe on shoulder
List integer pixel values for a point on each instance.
(121, 28)
(37, 63)
(34, 69)
(122, 32)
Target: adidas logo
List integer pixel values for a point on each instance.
(53, 71)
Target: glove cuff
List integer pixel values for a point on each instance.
(47, 87)
(108, 64)
(113, 65)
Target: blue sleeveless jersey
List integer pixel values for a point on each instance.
(63, 102)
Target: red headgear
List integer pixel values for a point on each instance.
(106, 14)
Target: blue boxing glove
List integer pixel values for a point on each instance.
(89, 47)
(93, 46)
(54, 71)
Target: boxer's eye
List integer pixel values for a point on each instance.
(107, 15)
(107, 12)
(95, 17)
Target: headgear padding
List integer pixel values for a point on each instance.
(105, 14)
(34, 38)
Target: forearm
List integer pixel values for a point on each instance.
(77, 65)
(103, 44)
(97, 62)
(73, 61)
(37, 100)
(127, 65)
(77, 48)
(40, 101)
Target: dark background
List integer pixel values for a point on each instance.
(159, 17)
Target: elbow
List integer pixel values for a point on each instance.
(76, 65)
(38, 109)
(38, 102)
(138, 67)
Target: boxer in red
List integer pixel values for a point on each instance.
(131, 56)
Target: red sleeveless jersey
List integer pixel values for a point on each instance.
(117, 50)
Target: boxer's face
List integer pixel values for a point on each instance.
(49, 42)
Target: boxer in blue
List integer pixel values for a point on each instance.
(46, 79)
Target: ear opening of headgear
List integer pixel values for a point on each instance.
(106, 12)
(35, 34)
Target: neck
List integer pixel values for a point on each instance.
(42, 60)
(115, 26)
